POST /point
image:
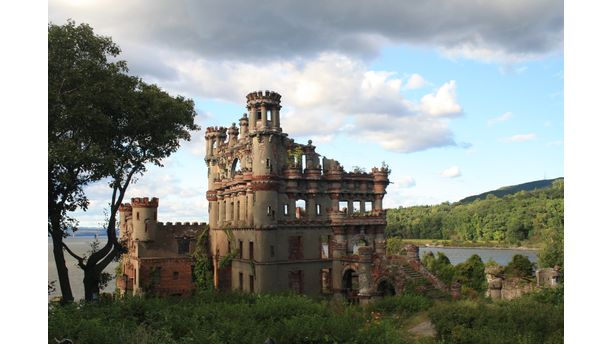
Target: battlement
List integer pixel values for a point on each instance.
(144, 202)
(180, 224)
(259, 97)
(125, 207)
(216, 129)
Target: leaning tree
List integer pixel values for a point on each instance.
(103, 123)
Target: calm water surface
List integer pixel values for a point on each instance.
(461, 254)
(79, 245)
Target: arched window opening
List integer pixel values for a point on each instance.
(300, 208)
(350, 285)
(235, 167)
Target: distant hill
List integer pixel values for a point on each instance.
(508, 190)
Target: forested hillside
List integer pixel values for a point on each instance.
(507, 190)
(526, 217)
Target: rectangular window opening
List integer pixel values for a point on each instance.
(286, 209)
(251, 283)
(356, 207)
(240, 282)
(325, 240)
(326, 281)
(175, 275)
(251, 251)
(240, 249)
(271, 250)
(318, 209)
(368, 207)
(343, 206)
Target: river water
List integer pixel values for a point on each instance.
(81, 245)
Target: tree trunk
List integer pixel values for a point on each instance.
(91, 283)
(60, 263)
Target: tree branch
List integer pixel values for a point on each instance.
(74, 255)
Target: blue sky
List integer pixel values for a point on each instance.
(458, 101)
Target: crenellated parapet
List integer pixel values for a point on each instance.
(183, 229)
(145, 202)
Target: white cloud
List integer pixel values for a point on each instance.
(451, 172)
(405, 182)
(520, 138)
(415, 81)
(443, 103)
(328, 95)
(501, 118)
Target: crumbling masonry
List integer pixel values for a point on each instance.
(283, 217)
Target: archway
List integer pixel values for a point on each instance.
(350, 285)
(385, 288)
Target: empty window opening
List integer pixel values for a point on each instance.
(193, 274)
(343, 206)
(368, 206)
(271, 250)
(251, 251)
(300, 208)
(359, 243)
(325, 244)
(235, 167)
(240, 249)
(303, 161)
(229, 247)
(175, 275)
(356, 207)
(269, 115)
(183, 246)
(269, 211)
(137, 216)
(258, 115)
(251, 283)
(238, 209)
(231, 211)
(286, 209)
(240, 282)
(296, 248)
(326, 281)
(267, 163)
(318, 209)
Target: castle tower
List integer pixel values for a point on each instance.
(125, 214)
(268, 155)
(144, 218)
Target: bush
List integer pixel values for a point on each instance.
(524, 320)
(211, 317)
(406, 304)
(520, 266)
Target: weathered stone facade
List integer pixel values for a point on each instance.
(281, 217)
(290, 218)
(158, 260)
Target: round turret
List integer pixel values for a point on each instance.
(264, 111)
(144, 218)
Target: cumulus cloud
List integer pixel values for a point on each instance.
(451, 172)
(405, 182)
(492, 31)
(520, 138)
(415, 81)
(443, 102)
(501, 118)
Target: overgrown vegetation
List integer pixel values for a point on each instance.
(219, 318)
(535, 318)
(526, 217)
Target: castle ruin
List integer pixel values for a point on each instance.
(282, 217)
